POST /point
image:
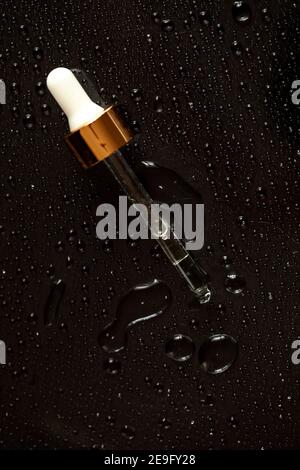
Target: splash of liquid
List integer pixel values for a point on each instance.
(139, 304)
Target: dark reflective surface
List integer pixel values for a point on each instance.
(208, 85)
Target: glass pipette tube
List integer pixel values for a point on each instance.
(194, 275)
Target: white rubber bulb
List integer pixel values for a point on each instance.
(72, 98)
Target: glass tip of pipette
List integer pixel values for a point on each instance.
(203, 294)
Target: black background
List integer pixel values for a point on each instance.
(220, 115)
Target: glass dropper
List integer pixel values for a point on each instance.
(98, 134)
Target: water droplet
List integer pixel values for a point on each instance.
(235, 283)
(38, 53)
(112, 366)
(141, 303)
(29, 121)
(15, 88)
(226, 261)
(220, 30)
(217, 353)
(60, 246)
(237, 49)
(155, 17)
(128, 432)
(24, 30)
(80, 246)
(167, 25)
(266, 15)
(180, 348)
(136, 94)
(204, 18)
(69, 262)
(232, 421)
(158, 105)
(40, 88)
(46, 110)
(107, 246)
(241, 12)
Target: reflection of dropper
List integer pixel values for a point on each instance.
(98, 134)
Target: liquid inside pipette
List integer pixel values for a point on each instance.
(194, 275)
